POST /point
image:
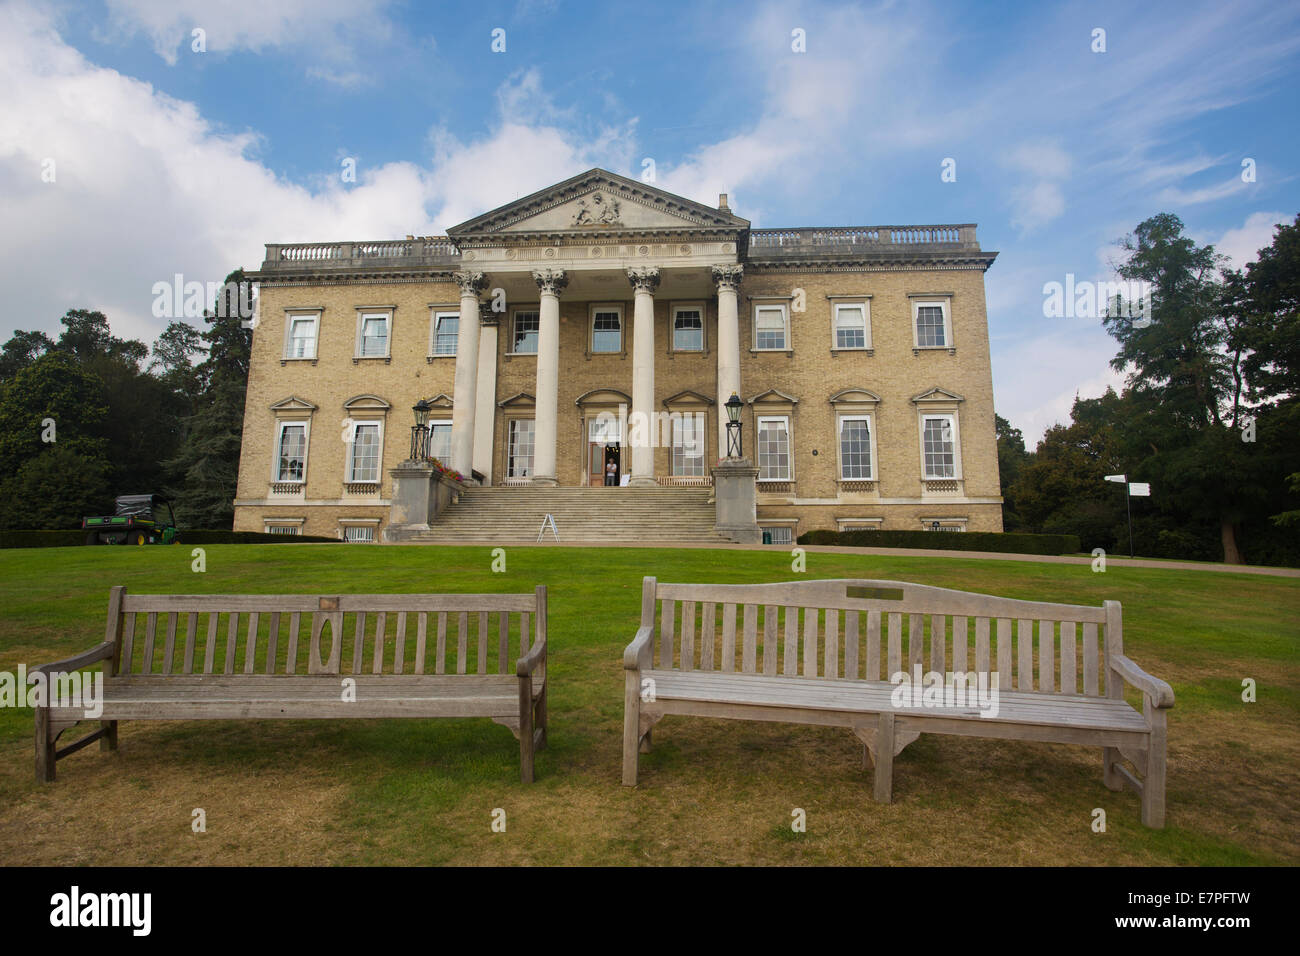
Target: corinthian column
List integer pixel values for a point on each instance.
(550, 282)
(727, 279)
(644, 282)
(464, 392)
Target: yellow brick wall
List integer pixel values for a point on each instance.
(811, 373)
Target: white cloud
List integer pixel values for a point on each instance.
(1192, 197)
(253, 25)
(146, 187)
(1242, 245)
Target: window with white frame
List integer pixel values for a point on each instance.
(774, 449)
(440, 441)
(856, 460)
(282, 528)
(446, 332)
(372, 334)
(360, 533)
(291, 452)
(851, 331)
(527, 325)
(607, 328)
(688, 328)
(363, 460)
(688, 437)
(943, 524)
(301, 334)
(519, 462)
(938, 446)
(770, 327)
(932, 322)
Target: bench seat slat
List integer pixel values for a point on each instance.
(875, 697)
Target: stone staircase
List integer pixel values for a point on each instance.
(599, 514)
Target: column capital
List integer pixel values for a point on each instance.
(644, 278)
(471, 283)
(728, 277)
(550, 281)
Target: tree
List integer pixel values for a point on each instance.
(1184, 375)
(206, 469)
(1011, 457)
(54, 389)
(1269, 308)
(21, 351)
(56, 489)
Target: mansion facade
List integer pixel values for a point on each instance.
(544, 334)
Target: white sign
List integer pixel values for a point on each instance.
(1118, 479)
(1139, 489)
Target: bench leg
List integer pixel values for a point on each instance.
(1153, 784)
(45, 757)
(631, 727)
(646, 742)
(884, 783)
(1110, 777)
(109, 740)
(541, 718)
(526, 729)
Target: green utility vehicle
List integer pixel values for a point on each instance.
(138, 520)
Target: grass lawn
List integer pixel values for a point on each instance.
(424, 791)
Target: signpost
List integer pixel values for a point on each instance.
(1141, 489)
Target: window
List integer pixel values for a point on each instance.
(446, 331)
(289, 529)
(607, 329)
(938, 450)
(372, 335)
(359, 533)
(851, 326)
(291, 453)
(520, 451)
(364, 464)
(773, 449)
(933, 328)
(688, 446)
(855, 449)
(301, 338)
(943, 524)
(688, 328)
(526, 329)
(440, 441)
(778, 534)
(769, 327)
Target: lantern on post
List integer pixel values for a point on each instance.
(733, 406)
(420, 431)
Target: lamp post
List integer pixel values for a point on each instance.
(733, 406)
(420, 431)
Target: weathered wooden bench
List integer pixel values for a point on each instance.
(240, 657)
(826, 670)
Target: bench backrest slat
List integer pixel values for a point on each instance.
(310, 634)
(835, 629)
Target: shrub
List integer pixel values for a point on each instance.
(1011, 543)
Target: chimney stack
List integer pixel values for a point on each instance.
(722, 203)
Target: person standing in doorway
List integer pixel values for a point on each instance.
(611, 472)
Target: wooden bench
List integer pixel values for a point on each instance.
(239, 657)
(742, 652)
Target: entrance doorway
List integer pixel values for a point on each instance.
(605, 462)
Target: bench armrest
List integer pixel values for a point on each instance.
(1161, 694)
(528, 663)
(100, 652)
(638, 650)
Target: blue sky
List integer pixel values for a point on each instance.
(169, 160)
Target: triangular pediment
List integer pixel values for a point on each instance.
(293, 404)
(937, 394)
(774, 396)
(687, 397)
(600, 202)
(517, 399)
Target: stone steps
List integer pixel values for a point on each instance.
(581, 514)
